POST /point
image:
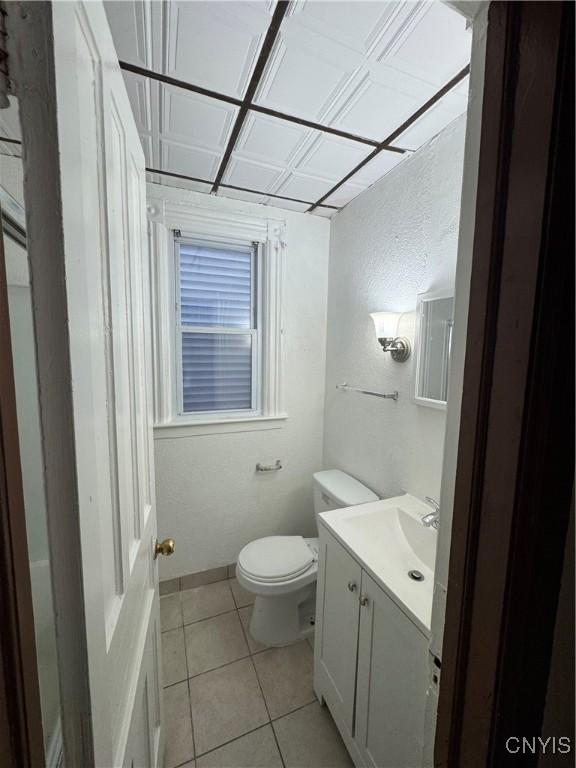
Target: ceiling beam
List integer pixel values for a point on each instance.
(167, 80)
(405, 125)
(263, 57)
(239, 189)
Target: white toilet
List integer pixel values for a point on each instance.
(281, 570)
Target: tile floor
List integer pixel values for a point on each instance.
(230, 702)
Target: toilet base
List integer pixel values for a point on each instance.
(284, 619)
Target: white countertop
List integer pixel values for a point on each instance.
(388, 539)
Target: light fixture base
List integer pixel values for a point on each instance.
(401, 349)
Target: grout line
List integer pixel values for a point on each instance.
(191, 720)
(271, 720)
(263, 699)
(208, 618)
(296, 709)
(186, 762)
(236, 738)
(228, 664)
(265, 702)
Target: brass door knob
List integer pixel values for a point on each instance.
(165, 547)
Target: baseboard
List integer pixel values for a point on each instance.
(197, 579)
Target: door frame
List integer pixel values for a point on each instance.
(31, 61)
(515, 466)
(503, 469)
(21, 736)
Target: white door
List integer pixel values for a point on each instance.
(336, 643)
(392, 680)
(85, 194)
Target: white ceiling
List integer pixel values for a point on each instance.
(362, 67)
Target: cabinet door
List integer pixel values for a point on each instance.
(336, 643)
(392, 678)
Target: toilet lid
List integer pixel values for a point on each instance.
(275, 558)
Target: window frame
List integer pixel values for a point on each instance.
(169, 209)
(255, 330)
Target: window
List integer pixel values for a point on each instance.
(218, 338)
(217, 317)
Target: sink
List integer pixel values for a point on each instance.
(400, 534)
(388, 537)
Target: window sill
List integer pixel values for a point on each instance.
(178, 429)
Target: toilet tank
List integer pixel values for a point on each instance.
(334, 489)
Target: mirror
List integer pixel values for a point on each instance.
(434, 322)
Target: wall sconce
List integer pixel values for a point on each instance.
(386, 325)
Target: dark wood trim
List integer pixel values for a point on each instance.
(516, 446)
(9, 141)
(167, 80)
(385, 144)
(265, 51)
(21, 739)
(135, 69)
(240, 189)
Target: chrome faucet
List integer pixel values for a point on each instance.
(433, 518)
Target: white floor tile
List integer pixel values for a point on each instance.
(226, 703)
(214, 642)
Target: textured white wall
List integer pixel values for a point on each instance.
(397, 239)
(208, 495)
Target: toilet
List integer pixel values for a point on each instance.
(281, 570)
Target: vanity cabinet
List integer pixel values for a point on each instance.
(370, 663)
(339, 583)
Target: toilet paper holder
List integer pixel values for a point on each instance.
(269, 467)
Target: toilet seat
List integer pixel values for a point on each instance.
(276, 559)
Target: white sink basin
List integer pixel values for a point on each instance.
(389, 539)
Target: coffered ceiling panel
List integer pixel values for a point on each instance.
(291, 205)
(375, 108)
(140, 95)
(433, 46)
(169, 181)
(270, 140)
(238, 194)
(253, 175)
(305, 73)
(344, 194)
(195, 119)
(436, 118)
(303, 187)
(326, 213)
(377, 167)
(148, 145)
(331, 157)
(215, 44)
(351, 24)
(130, 23)
(364, 68)
(190, 161)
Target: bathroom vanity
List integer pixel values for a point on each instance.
(374, 602)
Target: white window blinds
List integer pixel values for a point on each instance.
(217, 326)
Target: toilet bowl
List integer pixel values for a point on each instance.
(282, 570)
